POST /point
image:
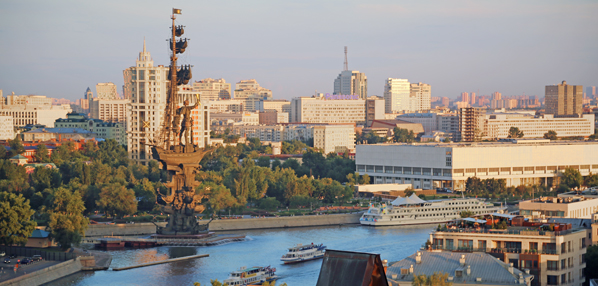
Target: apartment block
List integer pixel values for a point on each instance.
(396, 95)
(559, 207)
(246, 88)
(334, 138)
(7, 128)
(213, 89)
(351, 82)
(564, 99)
(101, 129)
(323, 110)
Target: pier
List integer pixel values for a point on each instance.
(161, 262)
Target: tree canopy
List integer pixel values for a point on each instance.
(16, 224)
(551, 134)
(67, 223)
(514, 132)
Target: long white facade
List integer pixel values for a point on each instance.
(396, 95)
(498, 125)
(430, 165)
(321, 110)
(7, 128)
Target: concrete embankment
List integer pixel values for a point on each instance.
(46, 275)
(161, 262)
(229, 224)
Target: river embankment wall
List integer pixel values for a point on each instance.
(229, 224)
(46, 275)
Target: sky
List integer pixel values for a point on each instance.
(295, 48)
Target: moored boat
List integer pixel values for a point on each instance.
(300, 253)
(256, 275)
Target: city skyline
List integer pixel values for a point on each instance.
(294, 49)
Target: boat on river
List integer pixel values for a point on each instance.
(300, 253)
(256, 275)
(413, 210)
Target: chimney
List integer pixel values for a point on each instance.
(526, 271)
(418, 257)
(468, 271)
(411, 269)
(521, 280)
(385, 264)
(511, 268)
(462, 260)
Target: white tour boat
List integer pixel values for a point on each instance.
(413, 210)
(302, 252)
(251, 276)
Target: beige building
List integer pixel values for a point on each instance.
(322, 110)
(334, 138)
(433, 165)
(245, 88)
(553, 257)
(564, 99)
(272, 117)
(496, 126)
(278, 105)
(109, 110)
(272, 133)
(43, 114)
(374, 110)
(420, 95)
(85, 100)
(46, 134)
(7, 128)
(351, 82)
(229, 105)
(559, 207)
(146, 86)
(106, 91)
(101, 129)
(396, 95)
(213, 89)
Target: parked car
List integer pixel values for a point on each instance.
(36, 258)
(7, 260)
(26, 261)
(13, 256)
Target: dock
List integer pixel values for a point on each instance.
(120, 242)
(161, 262)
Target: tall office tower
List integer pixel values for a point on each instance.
(245, 88)
(106, 91)
(465, 96)
(86, 99)
(472, 99)
(351, 83)
(212, 89)
(146, 86)
(396, 95)
(420, 97)
(591, 91)
(496, 95)
(564, 99)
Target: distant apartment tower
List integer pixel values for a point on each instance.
(591, 91)
(86, 99)
(472, 100)
(351, 82)
(334, 138)
(321, 110)
(471, 124)
(564, 99)
(465, 96)
(106, 91)
(420, 95)
(7, 128)
(374, 110)
(496, 95)
(213, 89)
(146, 86)
(246, 88)
(109, 110)
(396, 95)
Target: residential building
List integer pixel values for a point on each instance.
(564, 99)
(33, 110)
(334, 138)
(396, 95)
(591, 91)
(245, 88)
(420, 97)
(278, 105)
(272, 133)
(213, 89)
(464, 268)
(7, 128)
(323, 110)
(390, 124)
(559, 207)
(433, 165)
(109, 109)
(465, 96)
(243, 118)
(273, 117)
(101, 129)
(471, 124)
(46, 134)
(351, 82)
(86, 99)
(228, 105)
(497, 125)
(374, 109)
(553, 252)
(106, 91)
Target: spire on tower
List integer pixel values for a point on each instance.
(346, 63)
(143, 44)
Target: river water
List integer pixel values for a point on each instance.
(261, 248)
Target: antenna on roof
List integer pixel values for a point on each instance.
(346, 62)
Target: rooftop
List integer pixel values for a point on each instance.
(514, 142)
(470, 268)
(559, 200)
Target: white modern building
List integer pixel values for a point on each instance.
(351, 82)
(323, 110)
(245, 88)
(420, 95)
(106, 90)
(334, 138)
(243, 118)
(278, 105)
(396, 95)
(431, 165)
(559, 207)
(109, 110)
(213, 89)
(498, 125)
(229, 105)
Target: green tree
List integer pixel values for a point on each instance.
(551, 134)
(145, 192)
(572, 178)
(67, 223)
(117, 200)
(219, 197)
(515, 133)
(403, 135)
(16, 225)
(41, 154)
(263, 161)
(466, 214)
(16, 146)
(591, 180)
(268, 203)
(364, 180)
(474, 185)
(408, 192)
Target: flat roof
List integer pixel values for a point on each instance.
(520, 142)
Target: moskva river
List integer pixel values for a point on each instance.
(261, 248)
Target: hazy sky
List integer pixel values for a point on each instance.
(59, 48)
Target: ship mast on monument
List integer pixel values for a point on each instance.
(176, 151)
